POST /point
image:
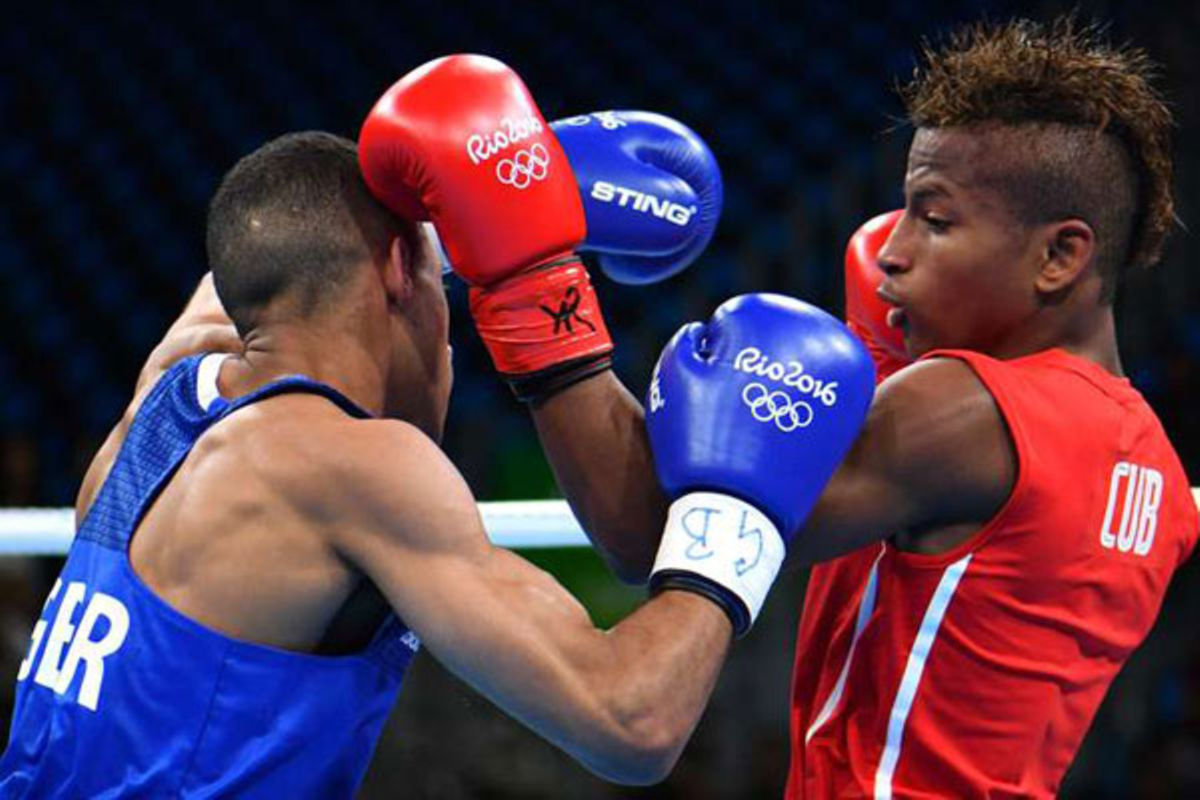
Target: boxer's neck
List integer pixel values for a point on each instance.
(1089, 335)
(329, 353)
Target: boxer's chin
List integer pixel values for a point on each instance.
(916, 342)
(900, 319)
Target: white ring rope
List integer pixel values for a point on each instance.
(513, 524)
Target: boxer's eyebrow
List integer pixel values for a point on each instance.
(927, 190)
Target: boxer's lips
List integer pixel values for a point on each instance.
(896, 315)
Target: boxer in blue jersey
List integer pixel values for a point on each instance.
(272, 531)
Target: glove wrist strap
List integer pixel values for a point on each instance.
(541, 319)
(720, 547)
(540, 386)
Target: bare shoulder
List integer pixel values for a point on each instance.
(943, 436)
(936, 409)
(385, 480)
(934, 451)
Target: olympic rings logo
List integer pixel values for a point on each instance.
(525, 167)
(777, 407)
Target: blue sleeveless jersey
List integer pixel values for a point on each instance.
(122, 696)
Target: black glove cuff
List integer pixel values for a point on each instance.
(537, 387)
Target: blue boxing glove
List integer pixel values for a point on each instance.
(748, 417)
(651, 191)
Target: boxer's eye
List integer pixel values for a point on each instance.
(937, 224)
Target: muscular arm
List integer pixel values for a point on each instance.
(933, 463)
(622, 702)
(594, 436)
(202, 326)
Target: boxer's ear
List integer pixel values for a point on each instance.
(1069, 248)
(397, 272)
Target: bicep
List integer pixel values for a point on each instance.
(506, 628)
(868, 497)
(498, 622)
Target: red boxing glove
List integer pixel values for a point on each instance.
(866, 313)
(460, 141)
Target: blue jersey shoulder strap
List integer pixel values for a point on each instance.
(163, 432)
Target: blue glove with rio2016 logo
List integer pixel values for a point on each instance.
(749, 415)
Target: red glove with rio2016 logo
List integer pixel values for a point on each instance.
(459, 141)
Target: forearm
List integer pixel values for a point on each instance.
(663, 662)
(595, 439)
(202, 326)
(621, 702)
(624, 702)
(202, 307)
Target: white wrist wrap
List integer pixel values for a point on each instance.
(726, 540)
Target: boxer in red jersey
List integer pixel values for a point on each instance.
(1000, 537)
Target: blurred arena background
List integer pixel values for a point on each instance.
(119, 119)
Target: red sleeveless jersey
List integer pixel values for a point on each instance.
(976, 672)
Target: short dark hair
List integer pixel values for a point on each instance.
(293, 218)
(1095, 132)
